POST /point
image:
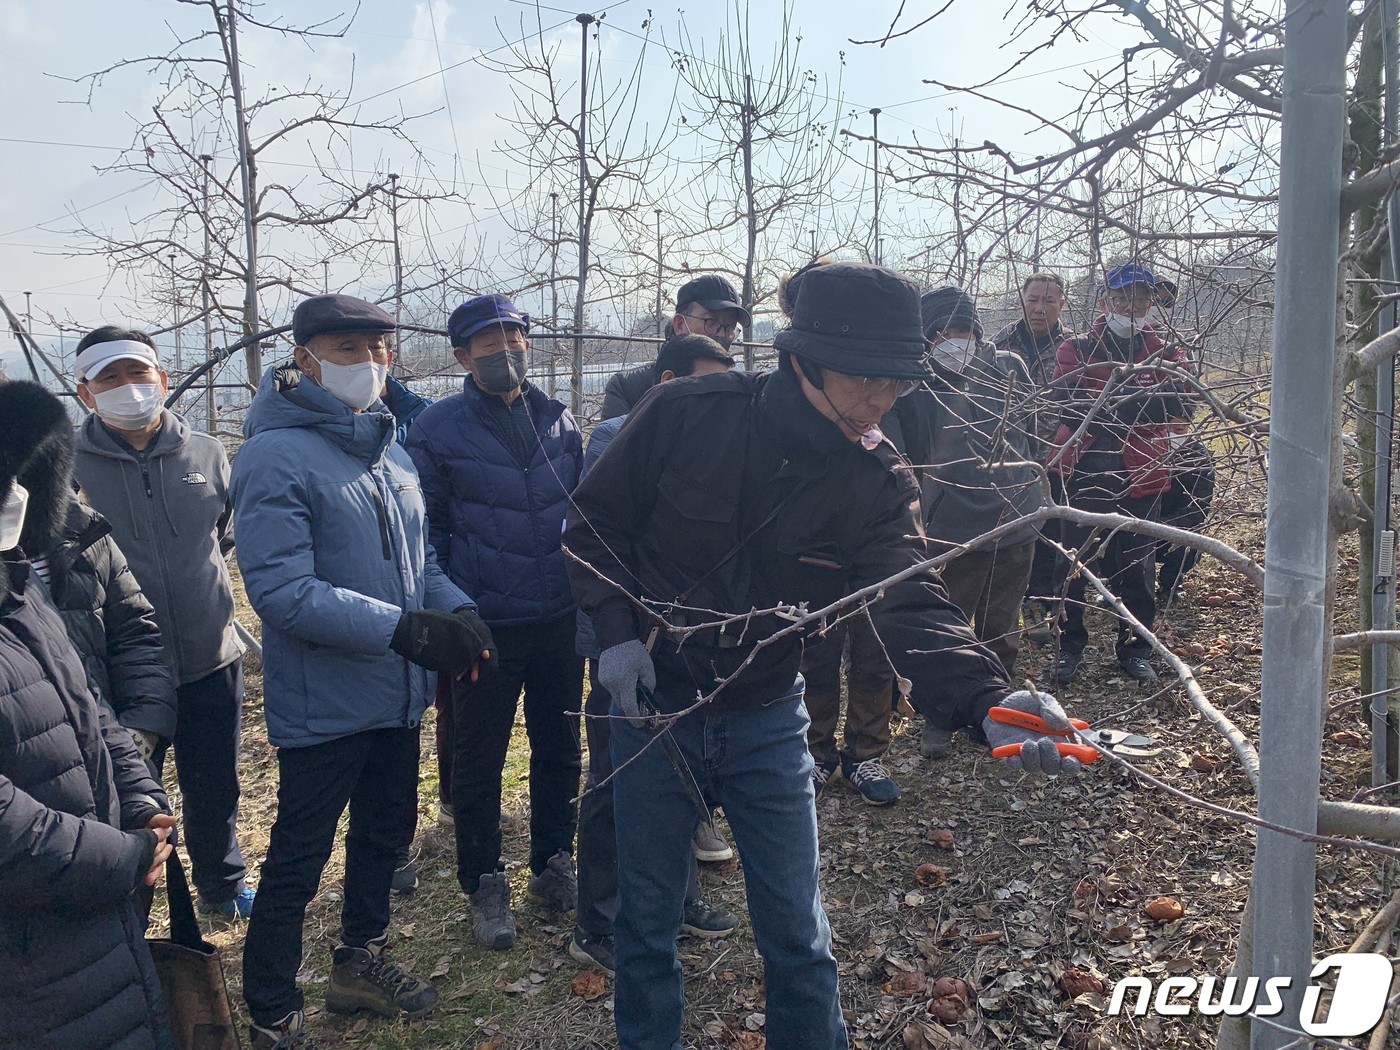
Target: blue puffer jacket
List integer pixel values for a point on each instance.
(496, 524)
(333, 548)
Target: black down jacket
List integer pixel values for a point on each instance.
(75, 972)
(730, 493)
(111, 623)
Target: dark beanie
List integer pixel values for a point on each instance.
(949, 307)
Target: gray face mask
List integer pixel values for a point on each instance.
(501, 372)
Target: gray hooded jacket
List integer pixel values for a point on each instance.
(169, 511)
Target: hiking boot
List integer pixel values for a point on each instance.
(935, 742)
(822, 772)
(367, 979)
(239, 907)
(286, 1034)
(493, 925)
(709, 846)
(1067, 666)
(445, 815)
(869, 778)
(405, 879)
(1138, 669)
(594, 949)
(557, 886)
(707, 920)
(1035, 620)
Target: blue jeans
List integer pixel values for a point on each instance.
(755, 764)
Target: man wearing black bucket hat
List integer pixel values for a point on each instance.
(726, 507)
(707, 305)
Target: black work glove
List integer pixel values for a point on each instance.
(484, 643)
(448, 643)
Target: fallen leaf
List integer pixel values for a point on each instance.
(441, 968)
(589, 985)
(1075, 982)
(406, 930)
(905, 984)
(942, 838)
(986, 938)
(1349, 739)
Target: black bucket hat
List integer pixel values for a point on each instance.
(858, 319)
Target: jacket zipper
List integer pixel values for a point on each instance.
(383, 522)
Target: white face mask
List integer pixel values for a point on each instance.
(1123, 325)
(132, 406)
(12, 516)
(355, 386)
(1178, 440)
(955, 354)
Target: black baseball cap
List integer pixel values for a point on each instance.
(712, 292)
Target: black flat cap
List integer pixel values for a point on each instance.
(322, 314)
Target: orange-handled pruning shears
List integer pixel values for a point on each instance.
(1128, 744)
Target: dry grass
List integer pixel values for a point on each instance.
(1042, 875)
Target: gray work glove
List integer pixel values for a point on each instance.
(1038, 754)
(621, 669)
(146, 743)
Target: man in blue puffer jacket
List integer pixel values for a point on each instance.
(356, 613)
(498, 462)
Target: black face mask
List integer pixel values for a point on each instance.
(501, 372)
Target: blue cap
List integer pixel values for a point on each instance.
(483, 312)
(1128, 274)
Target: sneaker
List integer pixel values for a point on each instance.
(1067, 666)
(405, 879)
(493, 925)
(1138, 669)
(822, 772)
(367, 979)
(240, 907)
(709, 845)
(935, 742)
(1035, 620)
(445, 816)
(869, 778)
(557, 886)
(594, 949)
(707, 920)
(286, 1034)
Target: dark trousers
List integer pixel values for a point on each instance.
(443, 733)
(597, 828)
(1126, 565)
(540, 659)
(375, 773)
(869, 692)
(1041, 584)
(209, 726)
(1186, 505)
(987, 586)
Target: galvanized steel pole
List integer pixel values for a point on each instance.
(576, 401)
(1296, 540)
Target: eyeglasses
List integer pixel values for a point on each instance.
(713, 325)
(880, 386)
(1137, 302)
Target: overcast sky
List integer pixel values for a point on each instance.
(55, 141)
